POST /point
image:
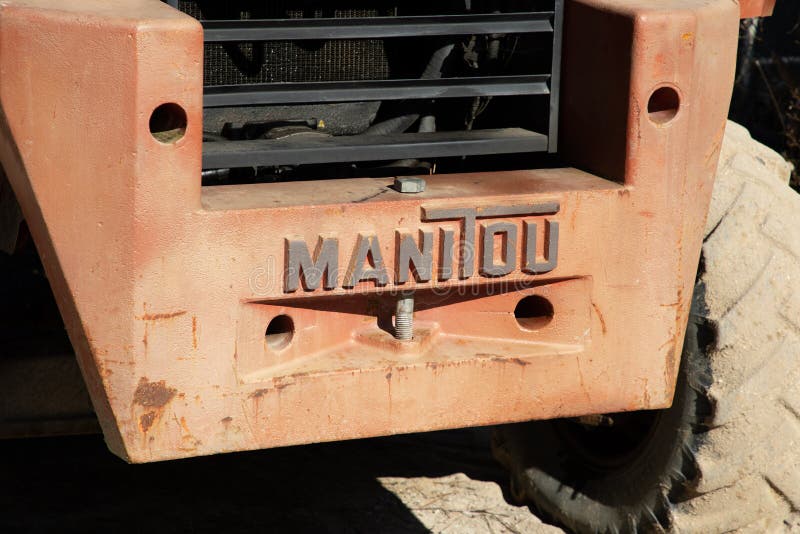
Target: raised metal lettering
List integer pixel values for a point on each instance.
(509, 233)
(415, 255)
(367, 248)
(531, 266)
(299, 263)
(446, 241)
(468, 218)
(411, 257)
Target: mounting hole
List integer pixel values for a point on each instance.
(280, 332)
(663, 105)
(534, 312)
(168, 123)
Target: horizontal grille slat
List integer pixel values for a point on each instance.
(375, 27)
(314, 149)
(372, 90)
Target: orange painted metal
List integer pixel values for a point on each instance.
(756, 8)
(167, 288)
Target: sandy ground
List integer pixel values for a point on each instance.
(457, 503)
(441, 482)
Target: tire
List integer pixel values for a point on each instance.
(726, 456)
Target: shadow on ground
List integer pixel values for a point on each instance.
(75, 485)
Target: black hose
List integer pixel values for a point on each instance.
(433, 71)
(393, 125)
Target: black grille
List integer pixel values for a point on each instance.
(288, 61)
(295, 55)
(282, 61)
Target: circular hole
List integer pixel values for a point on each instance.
(280, 332)
(663, 105)
(533, 312)
(168, 123)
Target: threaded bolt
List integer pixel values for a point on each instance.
(404, 317)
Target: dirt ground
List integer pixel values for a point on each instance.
(441, 482)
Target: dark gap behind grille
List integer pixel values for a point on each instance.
(399, 58)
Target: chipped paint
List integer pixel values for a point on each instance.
(153, 394)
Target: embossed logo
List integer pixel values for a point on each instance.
(492, 249)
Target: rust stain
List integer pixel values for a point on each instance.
(153, 394)
(600, 316)
(119, 362)
(160, 316)
(146, 421)
(670, 341)
(669, 372)
(674, 351)
(184, 426)
(574, 216)
(104, 372)
(580, 377)
(194, 332)
(257, 394)
(712, 157)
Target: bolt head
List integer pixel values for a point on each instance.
(409, 184)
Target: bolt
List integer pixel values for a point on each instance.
(404, 317)
(409, 184)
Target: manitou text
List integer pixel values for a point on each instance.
(488, 249)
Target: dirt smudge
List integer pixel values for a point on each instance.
(503, 359)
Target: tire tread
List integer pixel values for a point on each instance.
(748, 459)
